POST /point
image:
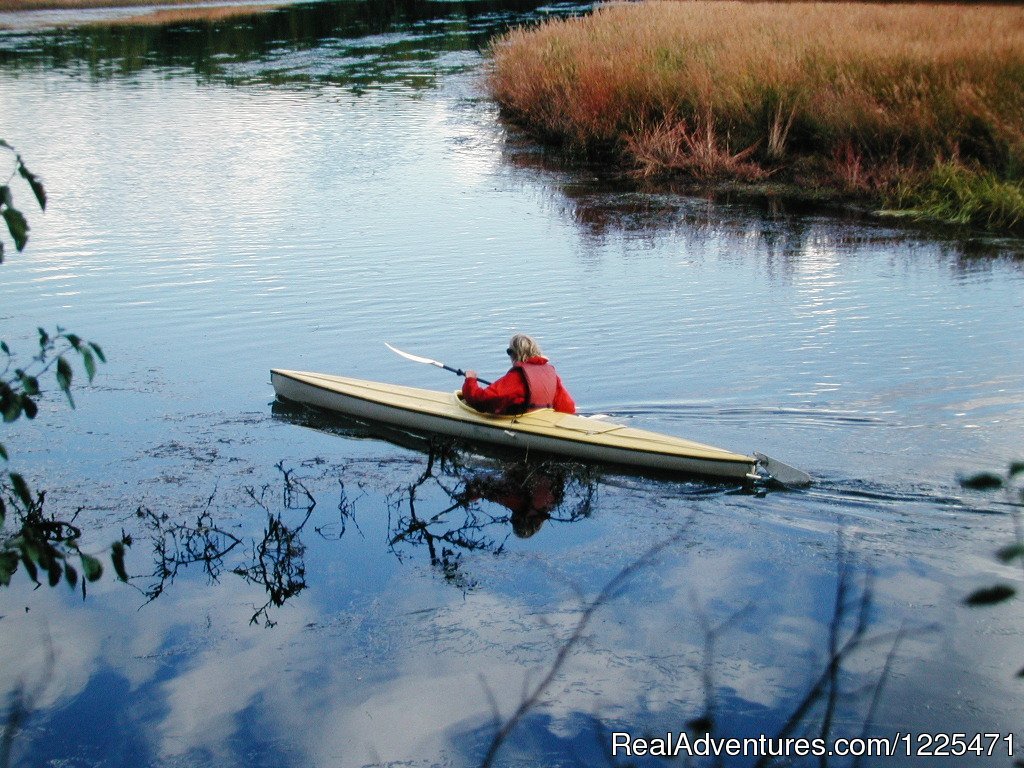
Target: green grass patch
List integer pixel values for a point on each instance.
(956, 194)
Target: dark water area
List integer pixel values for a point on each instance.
(352, 44)
(293, 188)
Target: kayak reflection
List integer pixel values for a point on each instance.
(465, 502)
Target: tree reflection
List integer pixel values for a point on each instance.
(836, 703)
(448, 510)
(527, 494)
(276, 560)
(356, 45)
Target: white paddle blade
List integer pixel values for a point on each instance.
(414, 358)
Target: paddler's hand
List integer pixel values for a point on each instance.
(470, 374)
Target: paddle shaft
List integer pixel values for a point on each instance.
(460, 372)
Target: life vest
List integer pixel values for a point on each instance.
(541, 384)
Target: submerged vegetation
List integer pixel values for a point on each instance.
(915, 107)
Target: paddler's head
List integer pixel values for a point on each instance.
(522, 347)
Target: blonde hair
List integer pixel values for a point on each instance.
(522, 347)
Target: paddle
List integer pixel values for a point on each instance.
(428, 361)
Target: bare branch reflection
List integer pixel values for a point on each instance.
(527, 495)
(276, 561)
(842, 700)
(447, 510)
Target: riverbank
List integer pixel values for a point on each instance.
(915, 108)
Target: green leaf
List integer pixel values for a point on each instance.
(1016, 468)
(11, 406)
(53, 573)
(990, 595)
(21, 489)
(18, 227)
(64, 374)
(92, 568)
(5, 196)
(99, 352)
(3, 452)
(70, 575)
(29, 406)
(983, 481)
(30, 566)
(35, 183)
(29, 383)
(8, 565)
(74, 340)
(90, 363)
(44, 338)
(5, 348)
(117, 558)
(1011, 552)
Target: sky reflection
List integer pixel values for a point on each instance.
(407, 671)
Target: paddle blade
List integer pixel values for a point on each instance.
(783, 473)
(414, 358)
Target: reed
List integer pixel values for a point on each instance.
(857, 98)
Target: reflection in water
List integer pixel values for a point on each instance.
(354, 44)
(450, 510)
(840, 700)
(607, 205)
(679, 619)
(529, 493)
(44, 544)
(274, 561)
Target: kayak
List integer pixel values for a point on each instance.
(545, 431)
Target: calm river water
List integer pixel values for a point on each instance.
(291, 190)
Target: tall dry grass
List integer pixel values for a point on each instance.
(854, 96)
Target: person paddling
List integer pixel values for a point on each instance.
(530, 383)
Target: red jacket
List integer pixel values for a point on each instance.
(508, 394)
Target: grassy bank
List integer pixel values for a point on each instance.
(918, 106)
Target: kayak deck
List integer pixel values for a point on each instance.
(578, 437)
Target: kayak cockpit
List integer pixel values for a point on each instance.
(511, 418)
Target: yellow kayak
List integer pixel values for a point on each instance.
(581, 438)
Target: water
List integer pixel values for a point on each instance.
(295, 188)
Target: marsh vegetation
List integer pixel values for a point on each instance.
(916, 107)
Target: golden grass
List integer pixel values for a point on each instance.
(206, 14)
(854, 96)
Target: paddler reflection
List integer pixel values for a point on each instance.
(529, 493)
